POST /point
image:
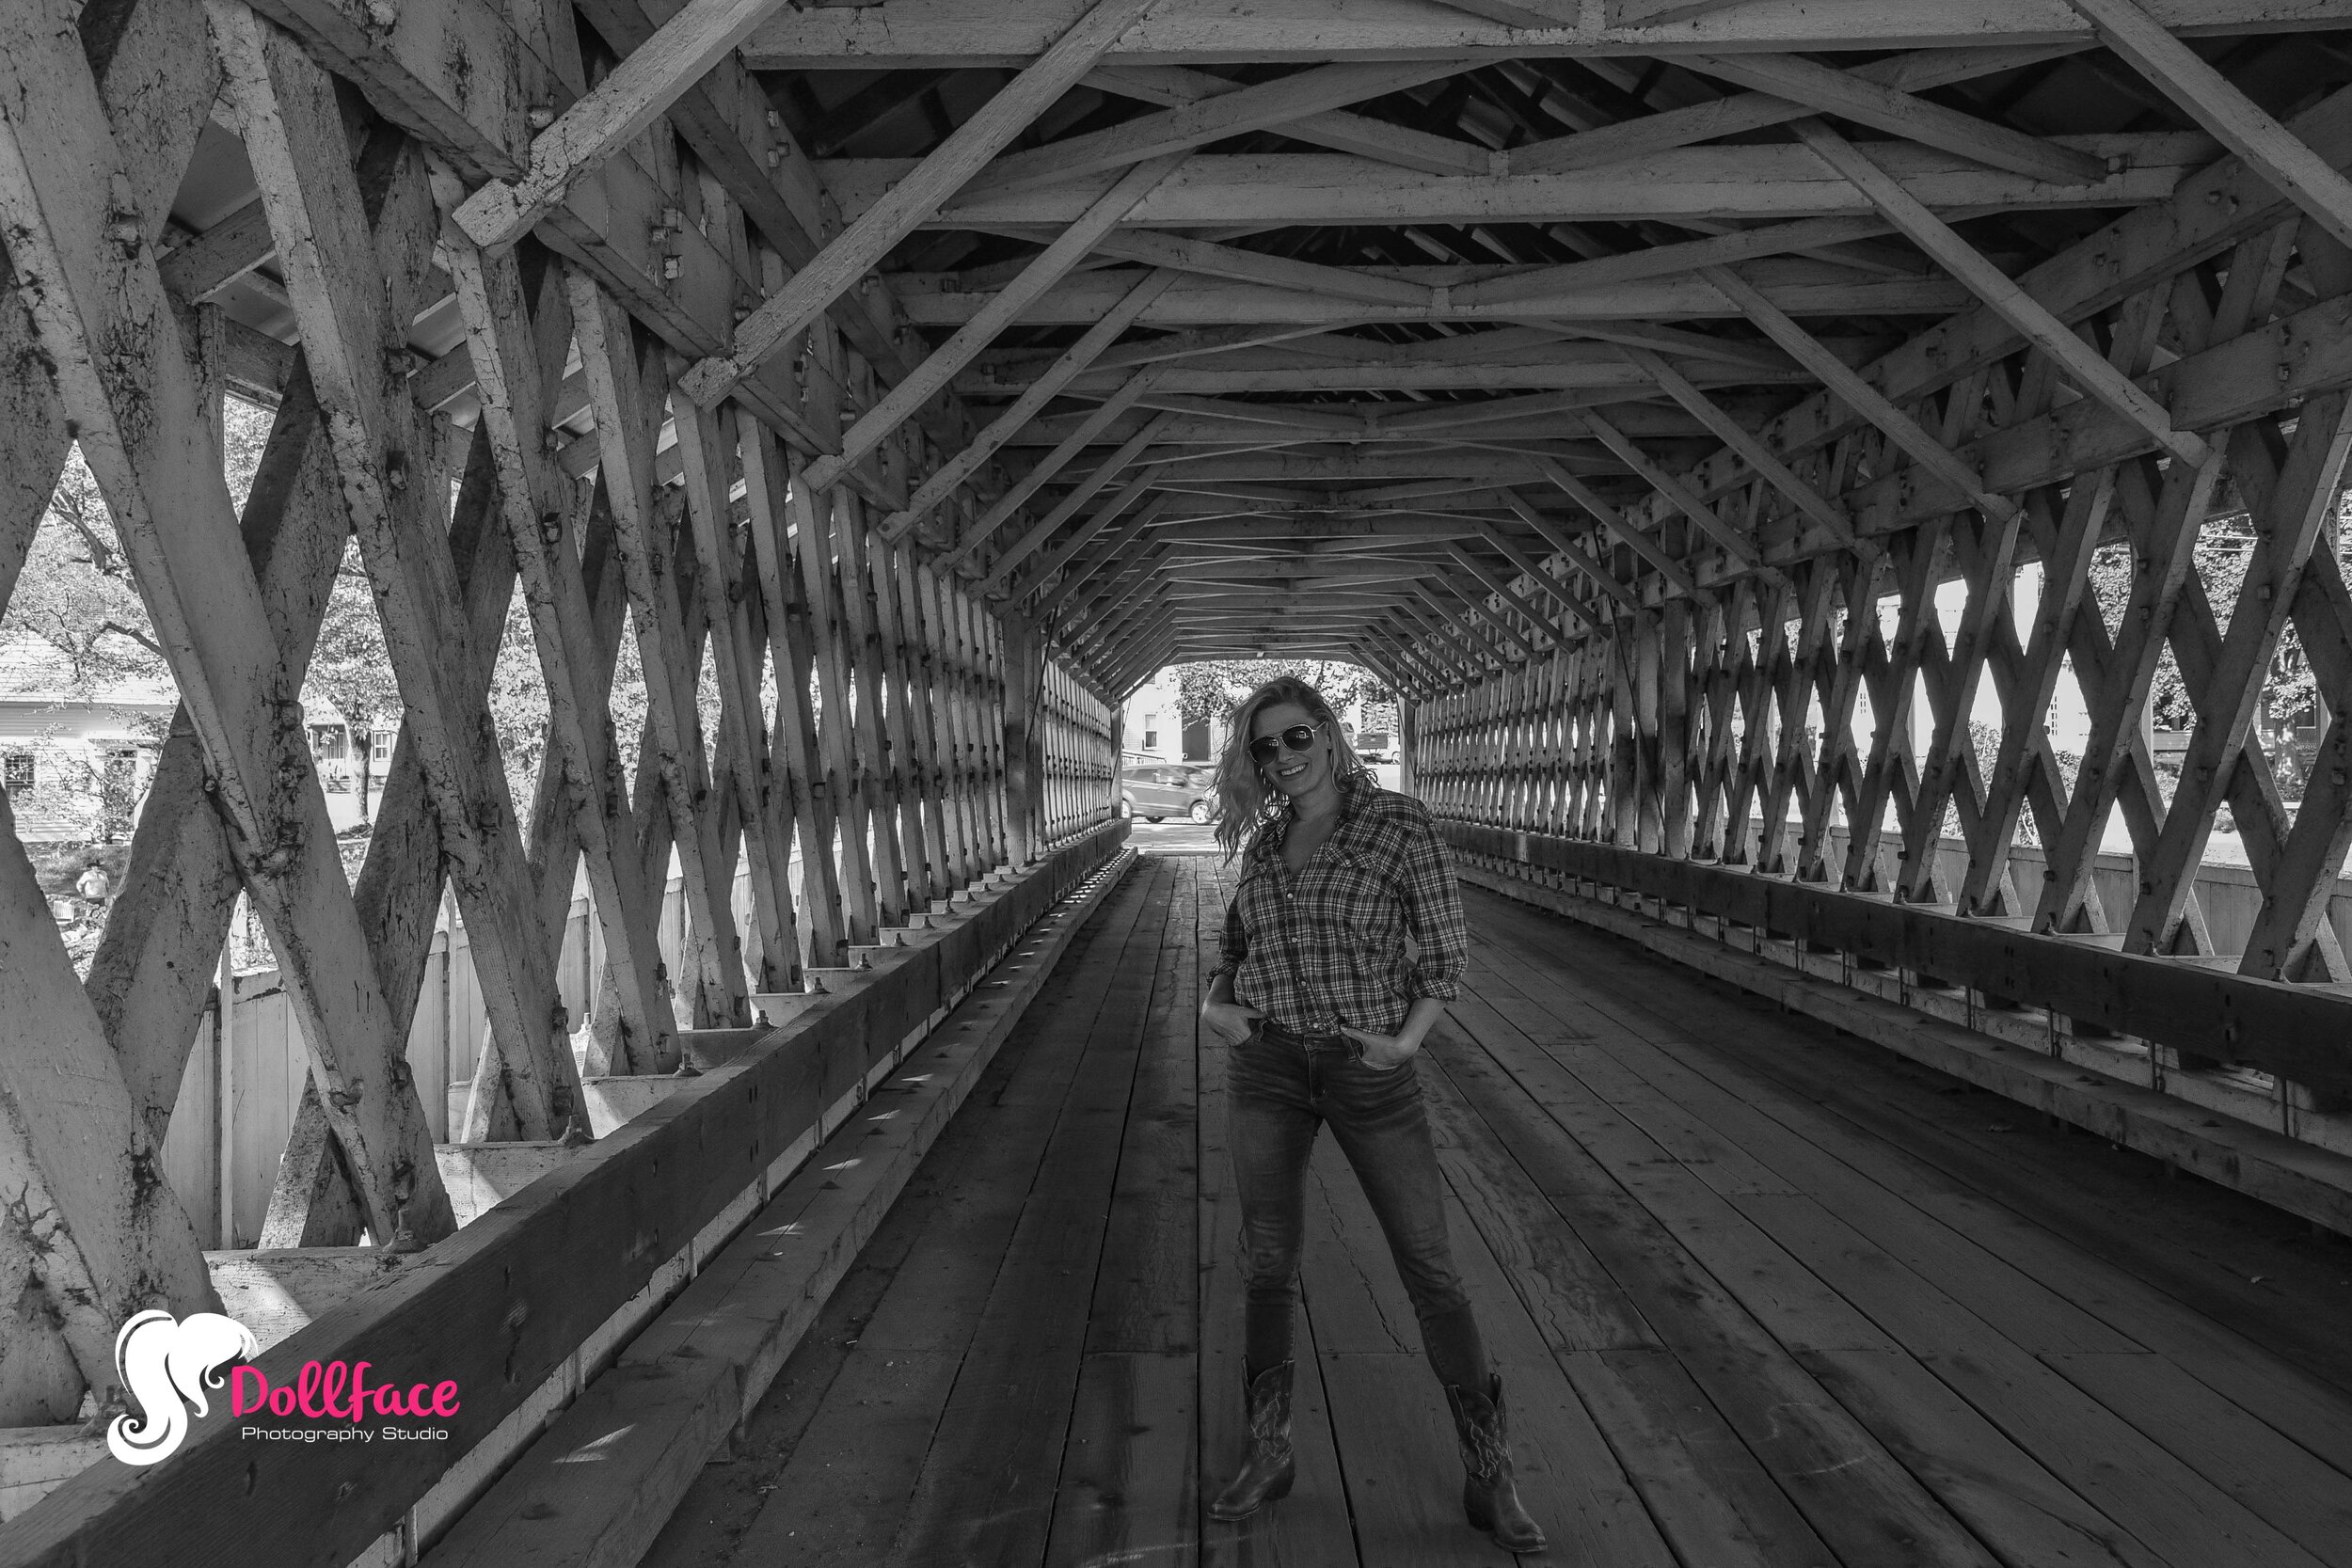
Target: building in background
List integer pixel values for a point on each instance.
(1157, 727)
(76, 764)
(1157, 731)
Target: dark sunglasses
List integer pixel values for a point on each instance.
(1297, 738)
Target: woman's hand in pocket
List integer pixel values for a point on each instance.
(1229, 1022)
(1384, 1052)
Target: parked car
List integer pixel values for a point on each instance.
(1155, 789)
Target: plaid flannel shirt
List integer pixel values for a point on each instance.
(1326, 946)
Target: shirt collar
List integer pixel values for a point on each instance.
(1353, 788)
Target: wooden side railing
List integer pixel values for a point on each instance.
(520, 1307)
(2170, 1040)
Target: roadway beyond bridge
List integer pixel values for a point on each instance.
(1847, 499)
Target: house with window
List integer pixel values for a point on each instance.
(351, 763)
(1156, 728)
(77, 763)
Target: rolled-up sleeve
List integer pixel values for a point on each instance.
(1433, 911)
(1233, 945)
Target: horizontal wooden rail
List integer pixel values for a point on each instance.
(2303, 1033)
(510, 1307)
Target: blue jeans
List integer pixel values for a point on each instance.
(1283, 1088)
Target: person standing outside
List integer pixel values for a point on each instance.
(95, 887)
(1326, 1014)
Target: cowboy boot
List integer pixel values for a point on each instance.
(1266, 1473)
(1491, 1496)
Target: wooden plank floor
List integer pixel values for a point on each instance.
(1763, 1294)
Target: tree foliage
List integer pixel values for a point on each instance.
(351, 670)
(1211, 687)
(2224, 552)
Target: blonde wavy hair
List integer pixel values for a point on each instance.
(1244, 803)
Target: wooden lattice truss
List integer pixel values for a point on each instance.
(1721, 723)
(883, 739)
(1460, 340)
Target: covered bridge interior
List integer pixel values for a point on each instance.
(1847, 496)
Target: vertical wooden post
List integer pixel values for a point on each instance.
(1407, 744)
(225, 1078)
(814, 518)
(1672, 663)
(1024, 783)
(792, 742)
(980, 629)
(876, 759)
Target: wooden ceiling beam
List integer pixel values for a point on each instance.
(1047, 526)
(1326, 569)
(1803, 288)
(1479, 608)
(653, 76)
(1552, 587)
(1009, 33)
(1043, 272)
(1053, 462)
(1472, 657)
(1173, 86)
(2308, 180)
(1204, 259)
(1691, 505)
(1595, 570)
(949, 476)
(1510, 596)
(1664, 261)
(1850, 96)
(1228, 114)
(884, 222)
(1529, 374)
(1062, 554)
(1772, 181)
(2082, 364)
(1533, 426)
(1636, 538)
(1336, 530)
(1866, 400)
(1744, 442)
(1754, 111)
(2215, 209)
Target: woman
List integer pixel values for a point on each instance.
(1325, 1013)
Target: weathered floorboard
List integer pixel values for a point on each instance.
(1760, 1296)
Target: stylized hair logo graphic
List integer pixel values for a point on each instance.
(167, 1366)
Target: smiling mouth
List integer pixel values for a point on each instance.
(1291, 772)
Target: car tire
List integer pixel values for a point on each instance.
(1201, 813)
(1155, 819)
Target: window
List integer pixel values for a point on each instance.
(1150, 732)
(327, 742)
(16, 770)
(380, 746)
